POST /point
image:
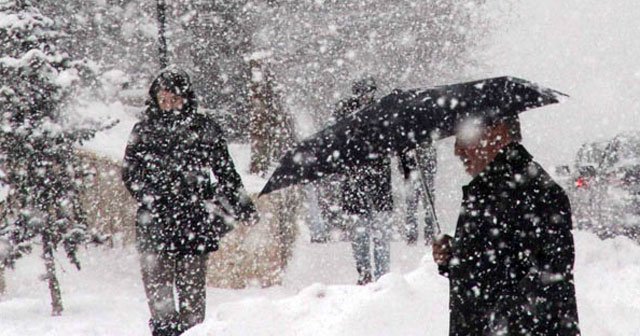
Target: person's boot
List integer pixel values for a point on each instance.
(364, 277)
(180, 325)
(172, 326)
(162, 328)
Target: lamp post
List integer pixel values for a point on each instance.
(162, 27)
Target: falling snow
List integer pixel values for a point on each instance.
(267, 74)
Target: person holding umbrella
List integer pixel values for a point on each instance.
(510, 262)
(366, 197)
(170, 159)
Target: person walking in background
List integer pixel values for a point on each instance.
(319, 230)
(366, 197)
(419, 166)
(169, 160)
(510, 262)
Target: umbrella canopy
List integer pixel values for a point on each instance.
(400, 121)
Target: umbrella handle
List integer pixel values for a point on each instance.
(428, 197)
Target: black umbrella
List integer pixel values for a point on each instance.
(399, 121)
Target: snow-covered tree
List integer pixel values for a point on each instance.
(37, 142)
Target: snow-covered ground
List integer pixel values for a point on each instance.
(317, 297)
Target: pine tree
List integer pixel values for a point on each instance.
(37, 142)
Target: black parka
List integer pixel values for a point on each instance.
(511, 271)
(168, 168)
(365, 188)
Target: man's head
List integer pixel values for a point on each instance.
(364, 89)
(478, 140)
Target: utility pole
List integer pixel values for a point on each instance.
(162, 28)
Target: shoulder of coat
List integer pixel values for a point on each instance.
(208, 125)
(536, 183)
(140, 127)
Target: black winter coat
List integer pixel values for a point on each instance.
(365, 188)
(511, 271)
(167, 168)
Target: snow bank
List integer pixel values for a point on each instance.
(607, 282)
(415, 303)
(410, 304)
(107, 298)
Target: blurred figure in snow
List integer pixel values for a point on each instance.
(510, 262)
(170, 159)
(366, 197)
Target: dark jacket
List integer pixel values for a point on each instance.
(512, 255)
(365, 188)
(421, 160)
(168, 165)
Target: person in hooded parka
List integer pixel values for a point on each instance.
(178, 168)
(510, 262)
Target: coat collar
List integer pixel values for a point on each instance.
(510, 159)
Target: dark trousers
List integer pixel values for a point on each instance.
(374, 227)
(415, 195)
(164, 274)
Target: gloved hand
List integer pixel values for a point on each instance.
(246, 212)
(442, 250)
(251, 220)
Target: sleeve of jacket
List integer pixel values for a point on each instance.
(557, 251)
(229, 184)
(133, 169)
